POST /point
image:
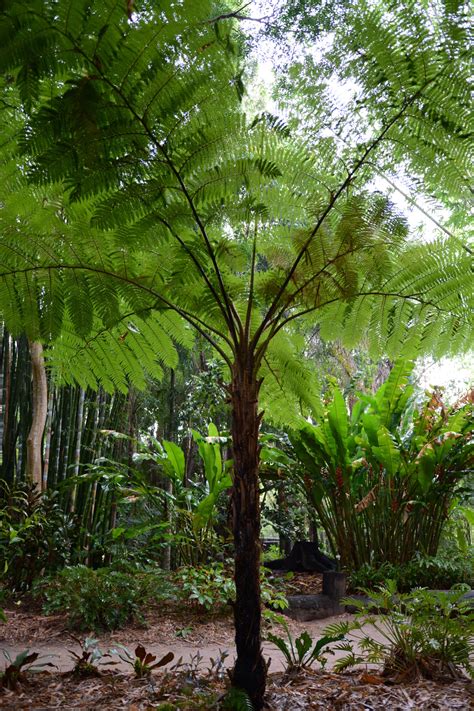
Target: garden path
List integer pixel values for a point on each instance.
(186, 637)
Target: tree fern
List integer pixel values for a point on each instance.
(146, 189)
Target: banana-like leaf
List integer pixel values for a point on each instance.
(175, 458)
(387, 453)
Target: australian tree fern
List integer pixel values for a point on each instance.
(142, 190)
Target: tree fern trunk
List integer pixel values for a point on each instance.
(34, 455)
(250, 669)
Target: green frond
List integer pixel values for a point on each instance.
(136, 193)
(290, 388)
(426, 306)
(115, 358)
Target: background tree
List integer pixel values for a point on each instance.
(170, 209)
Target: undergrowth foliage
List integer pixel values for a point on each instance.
(422, 634)
(435, 572)
(213, 588)
(94, 599)
(36, 535)
(302, 652)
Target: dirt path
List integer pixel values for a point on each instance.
(205, 638)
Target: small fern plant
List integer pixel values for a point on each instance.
(236, 700)
(422, 634)
(302, 652)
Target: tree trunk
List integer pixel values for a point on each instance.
(77, 448)
(34, 467)
(49, 429)
(250, 669)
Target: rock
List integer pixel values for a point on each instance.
(312, 607)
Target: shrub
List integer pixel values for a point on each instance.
(433, 572)
(93, 599)
(35, 534)
(212, 586)
(382, 480)
(372, 576)
(422, 634)
(436, 572)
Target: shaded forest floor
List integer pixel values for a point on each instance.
(185, 691)
(198, 681)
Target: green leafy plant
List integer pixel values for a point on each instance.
(302, 652)
(143, 662)
(272, 590)
(433, 572)
(14, 672)
(382, 479)
(272, 552)
(36, 535)
(421, 634)
(192, 510)
(236, 700)
(87, 661)
(369, 576)
(212, 587)
(183, 632)
(93, 599)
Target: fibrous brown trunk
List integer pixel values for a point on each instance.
(250, 669)
(34, 466)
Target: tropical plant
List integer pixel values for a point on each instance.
(191, 504)
(158, 206)
(434, 572)
(212, 587)
(94, 599)
(86, 663)
(382, 479)
(302, 652)
(143, 662)
(36, 536)
(24, 661)
(421, 634)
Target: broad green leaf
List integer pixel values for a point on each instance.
(387, 453)
(176, 458)
(339, 423)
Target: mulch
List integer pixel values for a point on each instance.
(188, 690)
(303, 584)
